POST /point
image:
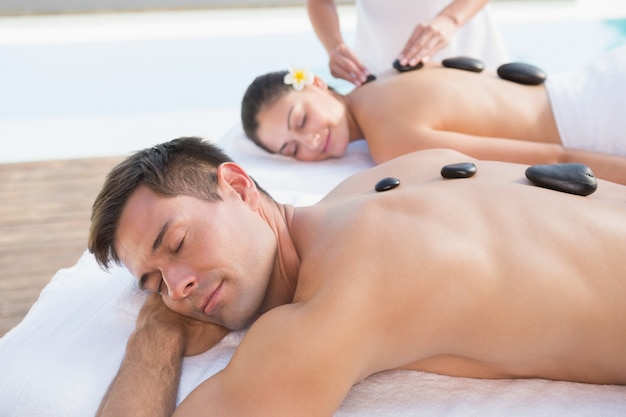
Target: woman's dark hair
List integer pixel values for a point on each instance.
(265, 89)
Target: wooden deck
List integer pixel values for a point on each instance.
(44, 222)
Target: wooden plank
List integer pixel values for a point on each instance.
(45, 209)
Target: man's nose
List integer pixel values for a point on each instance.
(181, 282)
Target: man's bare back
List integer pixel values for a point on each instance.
(482, 277)
(487, 277)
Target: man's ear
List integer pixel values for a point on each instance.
(233, 176)
(319, 83)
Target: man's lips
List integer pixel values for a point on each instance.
(211, 299)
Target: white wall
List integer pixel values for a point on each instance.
(20, 7)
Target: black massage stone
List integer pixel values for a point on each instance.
(462, 170)
(386, 184)
(521, 73)
(569, 178)
(464, 63)
(370, 77)
(405, 68)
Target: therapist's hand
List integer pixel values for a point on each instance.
(427, 39)
(346, 65)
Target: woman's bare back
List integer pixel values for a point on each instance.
(396, 110)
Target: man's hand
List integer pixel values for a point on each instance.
(147, 382)
(345, 64)
(194, 335)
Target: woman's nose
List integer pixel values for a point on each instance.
(181, 283)
(312, 141)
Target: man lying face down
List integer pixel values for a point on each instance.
(484, 277)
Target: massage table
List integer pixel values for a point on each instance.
(59, 361)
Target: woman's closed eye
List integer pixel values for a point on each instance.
(296, 119)
(289, 149)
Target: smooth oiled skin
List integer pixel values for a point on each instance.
(482, 277)
(478, 114)
(439, 106)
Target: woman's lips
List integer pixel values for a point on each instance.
(327, 144)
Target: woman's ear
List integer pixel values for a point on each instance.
(233, 176)
(319, 83)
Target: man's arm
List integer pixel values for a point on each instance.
(606, 166)
(296, 360)
(147, 382)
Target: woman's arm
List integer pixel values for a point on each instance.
(605, 166)
(430, 36)
(399, 142)
(343, 62)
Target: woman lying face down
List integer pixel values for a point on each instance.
(311, 124)
(478, 114)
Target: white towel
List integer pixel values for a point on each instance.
(589, 104)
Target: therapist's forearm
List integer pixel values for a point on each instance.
(147, 382)
(325, 21)
(461, 11)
